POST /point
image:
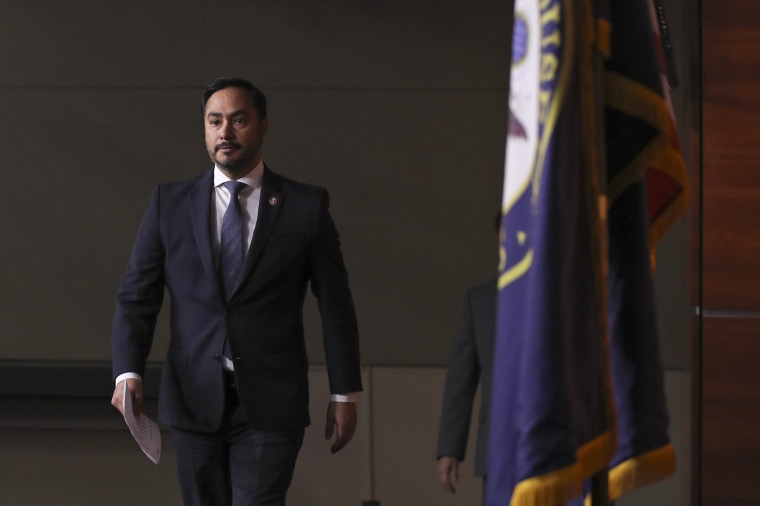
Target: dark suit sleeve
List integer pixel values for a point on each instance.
(329, 284)
(462, 379)
(140, 297)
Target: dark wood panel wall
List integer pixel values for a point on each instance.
(728, 445)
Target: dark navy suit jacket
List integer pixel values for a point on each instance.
(295, 243)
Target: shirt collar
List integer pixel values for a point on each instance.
(252, 179)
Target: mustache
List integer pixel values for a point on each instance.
(226, 145)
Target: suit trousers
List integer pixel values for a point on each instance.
(236, 465)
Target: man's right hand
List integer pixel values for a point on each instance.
(448, 472)
(135, 389)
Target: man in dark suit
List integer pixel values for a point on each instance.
(236, 248)
(470, 364)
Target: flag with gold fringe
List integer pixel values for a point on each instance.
(642, 128)
(552, 412)
(566, 285)
(648, 194)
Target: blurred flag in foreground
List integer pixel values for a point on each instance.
(551, 412)
(576, 311)
(648, 194)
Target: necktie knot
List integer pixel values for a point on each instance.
(234, 187)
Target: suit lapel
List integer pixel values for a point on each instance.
(269, 208)
(200, 199)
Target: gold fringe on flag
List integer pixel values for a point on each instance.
(563, 485)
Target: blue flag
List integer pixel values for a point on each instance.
(577, 384)
(648, 193)
(552, 421)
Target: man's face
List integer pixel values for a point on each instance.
(234, 132)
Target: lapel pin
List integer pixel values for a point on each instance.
(273, 201)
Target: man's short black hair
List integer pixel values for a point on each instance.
(257, 97)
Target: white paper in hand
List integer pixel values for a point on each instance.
(143, 429)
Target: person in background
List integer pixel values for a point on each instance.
(470, 365)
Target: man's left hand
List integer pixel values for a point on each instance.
(341, 417)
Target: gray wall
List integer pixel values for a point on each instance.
(397, 107)
(79, 453)
(398, 110)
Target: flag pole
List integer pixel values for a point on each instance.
(600, 495)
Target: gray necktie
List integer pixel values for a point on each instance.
(231, 247)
